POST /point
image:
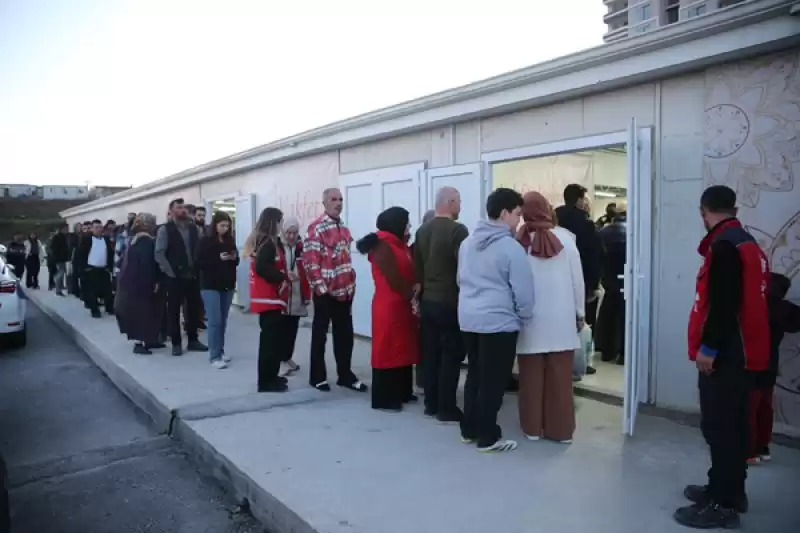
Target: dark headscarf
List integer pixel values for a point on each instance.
(393, 220)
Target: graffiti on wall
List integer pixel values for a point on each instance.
(752, 144)
(305, 205)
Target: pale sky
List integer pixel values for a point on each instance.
(122, 92)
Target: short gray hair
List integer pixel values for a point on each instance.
(445, 195)
(145, 219)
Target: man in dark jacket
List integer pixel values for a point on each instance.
(574, 216)
(729, 337)
(609, 331)
(176, 244)
(94, 259)
(59, 257)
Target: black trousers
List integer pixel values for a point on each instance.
(96, 285)
(392, 387)
(609, 335)
(491, 359)
(180, 291)
(290, 326)
(32, 268)
(442, 355)
(338, 313)
(723, 411)
(51, 274)
(271, 342)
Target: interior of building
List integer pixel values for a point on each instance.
(604, 174)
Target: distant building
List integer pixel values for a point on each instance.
(101, 191)
(64, 192)
(17, 191)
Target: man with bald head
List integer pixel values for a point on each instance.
(326, 256)
(436, 260)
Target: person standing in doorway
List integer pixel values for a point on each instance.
(495, 300)
(59, 257)
(326, 253)
(436, 263)
(729, 337)
(217, 260)
(299, 295)
(269, 296)
(95, 261)
(609, 333)
(176, 245)
(33, 261)
(574, 215)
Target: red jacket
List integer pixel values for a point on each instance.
(266, 296)
(395, 329)
(753, 321)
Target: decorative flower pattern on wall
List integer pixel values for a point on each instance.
(752, 125)
(782, 249)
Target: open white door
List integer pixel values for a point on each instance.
(464, 178)
(637, 277)
(365, 195)
(243, 224)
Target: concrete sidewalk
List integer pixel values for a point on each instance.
(314, 462)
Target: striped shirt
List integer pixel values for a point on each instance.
(326, 255)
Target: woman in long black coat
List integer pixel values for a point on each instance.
(140, 302)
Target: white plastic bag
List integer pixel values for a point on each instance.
(581, 358)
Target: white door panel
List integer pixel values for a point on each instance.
(244, 222)
(466, 179)
(637, 277)
(366, 194)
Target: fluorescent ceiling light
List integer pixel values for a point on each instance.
(604, 194)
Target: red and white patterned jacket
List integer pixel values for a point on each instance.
(326, 254)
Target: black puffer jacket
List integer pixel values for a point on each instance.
(577, 221)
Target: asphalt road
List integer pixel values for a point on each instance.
(83, 459)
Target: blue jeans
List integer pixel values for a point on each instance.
(217, 304)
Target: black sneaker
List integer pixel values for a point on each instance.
(141, 349)
(412, 398)
(355, 385)
(429, 411)
(196, 346)
(707, 516)
(322, 386)
(96, 314)
(765, 455)
(590, 371)
(452, 417)
(274, 386)
(177, 350)
(699, 494)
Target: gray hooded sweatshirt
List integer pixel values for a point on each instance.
(495, 281)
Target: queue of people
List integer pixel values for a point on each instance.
(513, 290)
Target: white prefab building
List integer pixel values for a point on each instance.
(652, 119)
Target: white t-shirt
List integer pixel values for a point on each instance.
(98, 255)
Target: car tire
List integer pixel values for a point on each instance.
(18, 339)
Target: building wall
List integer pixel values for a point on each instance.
(752, 144)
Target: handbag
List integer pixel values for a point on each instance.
(580, 359)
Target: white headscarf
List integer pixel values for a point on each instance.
(290, 222)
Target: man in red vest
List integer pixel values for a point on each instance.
(728, 336)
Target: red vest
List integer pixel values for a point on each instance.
(753, 319)
(265, 296)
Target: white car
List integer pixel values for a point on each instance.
(12, 305)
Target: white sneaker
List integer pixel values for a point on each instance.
(533, 437)
(500, 446)
(219, 364)
(227, 358)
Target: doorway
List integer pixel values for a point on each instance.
(241, 209)
(614, 168)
